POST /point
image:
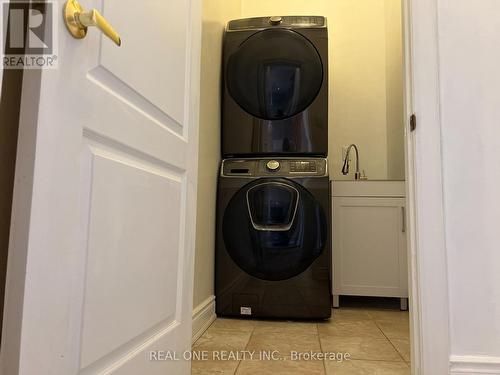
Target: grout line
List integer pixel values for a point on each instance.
(246, 346)
(390, 342)
(321, 348)
(376, 360)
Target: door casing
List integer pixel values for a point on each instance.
(428, 281)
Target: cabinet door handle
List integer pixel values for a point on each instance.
(403, 216)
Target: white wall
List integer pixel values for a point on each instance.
(365, 105)
(216, 13)
(470, 103)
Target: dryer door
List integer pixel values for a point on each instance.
(274, 229)
(274, 74)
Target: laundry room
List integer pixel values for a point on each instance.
(302, 232)
(249, 187)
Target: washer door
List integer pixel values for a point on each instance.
(274, 229)
(274, 74)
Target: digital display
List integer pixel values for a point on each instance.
(302, 166)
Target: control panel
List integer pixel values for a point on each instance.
(303, 166)
(289, 167)
(282, 21)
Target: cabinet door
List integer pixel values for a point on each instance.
(369, 247)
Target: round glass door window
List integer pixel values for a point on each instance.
(274, 74)
(274, 229)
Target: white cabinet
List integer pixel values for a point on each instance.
(369, 247)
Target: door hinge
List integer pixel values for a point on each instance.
(413, 122)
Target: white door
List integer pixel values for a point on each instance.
(109, 251)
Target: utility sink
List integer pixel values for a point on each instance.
(368, 188)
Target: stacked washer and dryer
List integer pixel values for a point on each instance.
(273, 243)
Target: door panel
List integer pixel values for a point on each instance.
(110, 247)
(128, 264)
(272, 206)
(159, 50)
(369, 247)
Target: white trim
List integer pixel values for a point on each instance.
(428, 270)
(478, 365)
(369, 188)
(411, 245)
(203, 317)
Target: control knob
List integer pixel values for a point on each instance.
(273, 165)
(275, 20)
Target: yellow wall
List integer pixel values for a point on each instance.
(363, 106)
(394, 90)
(216, 13)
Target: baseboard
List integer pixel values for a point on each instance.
(203, 317)
(478, 365)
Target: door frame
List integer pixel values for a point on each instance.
(427, 261)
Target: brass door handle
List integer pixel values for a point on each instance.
(78, 20)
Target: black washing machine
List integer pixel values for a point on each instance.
(275, 87)
(273, 247)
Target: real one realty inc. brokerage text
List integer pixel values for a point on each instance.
(241, 355)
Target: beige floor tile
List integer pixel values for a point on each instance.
(285, 367)
(354, 331)
(222, 339)
(350, 314)
(361, 348)
(389, 315)
(243, 325)
(403, 347)
(394, 329)
(356, 367)
(284, 343)
(265, 326)
(213, 367)
(350, 328)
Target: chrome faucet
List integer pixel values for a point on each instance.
(345, 168)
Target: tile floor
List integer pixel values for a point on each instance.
(377, 340)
